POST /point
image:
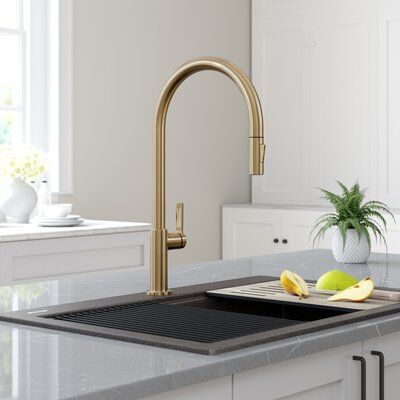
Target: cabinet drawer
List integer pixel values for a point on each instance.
(46, 258)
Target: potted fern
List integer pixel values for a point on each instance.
(354, 223)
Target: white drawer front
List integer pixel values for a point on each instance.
(39, 259)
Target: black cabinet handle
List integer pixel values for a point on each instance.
(363, 376)
(276, 240)
(284, 241)
(381, 373)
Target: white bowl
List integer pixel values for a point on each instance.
(56, 210)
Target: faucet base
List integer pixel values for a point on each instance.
(158, 292)
(159, 264)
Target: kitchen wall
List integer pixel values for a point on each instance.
(124, 51)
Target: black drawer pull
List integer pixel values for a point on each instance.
(276, 240)
(381, 373)
(363, 376)
(284, 241)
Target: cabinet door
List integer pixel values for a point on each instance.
(389, 346)
(249, 232)
(326, 375)
(280, 74)
(392, 238)
(342, 101)
(296, 229)
(389, 100)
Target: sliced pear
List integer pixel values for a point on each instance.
(294, 284)
(359, 292)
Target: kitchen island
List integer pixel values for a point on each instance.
(29, 252)
(46, 364)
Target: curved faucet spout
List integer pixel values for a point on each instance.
(161, 239)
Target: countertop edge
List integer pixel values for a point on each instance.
(289, 207)
(83, 230)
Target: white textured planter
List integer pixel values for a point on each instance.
(18, 199)
(356, 250)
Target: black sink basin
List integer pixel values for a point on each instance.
(191, 320)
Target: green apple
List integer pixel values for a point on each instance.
(335, 280)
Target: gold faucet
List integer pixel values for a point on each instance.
(162, 240)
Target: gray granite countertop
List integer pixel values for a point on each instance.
(42, 364)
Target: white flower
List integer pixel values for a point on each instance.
(21, 162)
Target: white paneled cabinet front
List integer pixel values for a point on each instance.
(387, 348)
(250, 232)
(280, 72)
(328, 75)
(297, 226)
(389, 100)
(256, 230)
(27, 260)
(253, 231)
(341, 100)
(217, 389)
(331, 374)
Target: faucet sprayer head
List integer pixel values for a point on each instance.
(257, 153)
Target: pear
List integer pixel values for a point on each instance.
(335, 280)
(357, 293)
(294, 284)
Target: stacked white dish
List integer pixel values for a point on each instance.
(69, 220)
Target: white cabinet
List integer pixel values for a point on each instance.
(296, 227)
(389, 348)
(389, 100)
(217, 389)
(31, 253)
(392, 237)
(328, 75)
(280, 72)
(341, 101)
(331, 374)
(251, 231)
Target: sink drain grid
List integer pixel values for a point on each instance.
(174, 321)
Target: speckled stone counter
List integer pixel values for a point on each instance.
(41, 364)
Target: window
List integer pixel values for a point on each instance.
(36, 81)
(12, 67)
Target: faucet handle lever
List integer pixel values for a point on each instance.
(177, 240)
(179, 217)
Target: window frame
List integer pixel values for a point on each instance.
(20, 33)
(45, 91)
(60, 97)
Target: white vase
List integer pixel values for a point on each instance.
(18, 199)
(355, 251)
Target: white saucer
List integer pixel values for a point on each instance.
(68, 218)
(52, 223)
